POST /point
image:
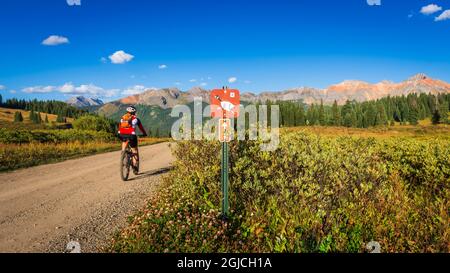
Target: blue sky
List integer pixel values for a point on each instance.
(109, 49)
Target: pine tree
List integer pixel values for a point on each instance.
(18, 117)
(436, 119)
(413, 116)
(354, 119)
(336, 114)
(322, 120)
(397, 116)
(310, 115)
(300, 117)
(444, 109)
(33, 116)
(60, 119)
(370, 115)
(381, 118)
(38, 118)
(347, 120)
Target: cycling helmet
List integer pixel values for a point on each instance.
(131, 110)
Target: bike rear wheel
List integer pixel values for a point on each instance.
(125, 164)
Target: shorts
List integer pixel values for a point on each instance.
(133, 140)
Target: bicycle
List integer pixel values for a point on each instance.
(126, 162)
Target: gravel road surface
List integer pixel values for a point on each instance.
(84, 200)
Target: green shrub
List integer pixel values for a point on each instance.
(313, 194)
(93, 123)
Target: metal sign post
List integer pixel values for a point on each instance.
(225, 167)
(225, 104)
(225, 136)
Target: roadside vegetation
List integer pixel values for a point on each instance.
(30, 138)
(330, 192)
(16, 156)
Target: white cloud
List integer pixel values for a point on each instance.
(137, 89)
(12, 91)
(104, 60)
(70, 89)
(74, 2)
(120, 57)
(2, 87)
(444, 16)
(203, 84)
(177, 83)
(430, 9)
(87, 89)
(232, 80)
(193, 80)
(247, 82)
(55, 40)
(162, 66)
(39, 89)
(374, 2)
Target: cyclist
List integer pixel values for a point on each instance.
(127, 133)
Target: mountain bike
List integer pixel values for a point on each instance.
(126, 162)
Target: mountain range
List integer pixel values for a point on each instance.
(347, 90)
(81, 102)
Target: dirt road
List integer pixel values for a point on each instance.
(43, 208)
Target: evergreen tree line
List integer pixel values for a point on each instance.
(59, 108)
(386, 111)
(35, 117)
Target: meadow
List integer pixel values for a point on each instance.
(323, 190)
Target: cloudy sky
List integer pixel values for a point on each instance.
(55, 49)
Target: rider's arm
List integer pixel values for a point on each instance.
(141, 127)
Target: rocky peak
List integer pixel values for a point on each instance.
(418, 77)
(81, 101)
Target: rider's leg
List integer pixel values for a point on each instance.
(135, 155)
(124, 145)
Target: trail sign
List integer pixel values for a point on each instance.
(225, 103)
(225, 130)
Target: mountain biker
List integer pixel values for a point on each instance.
(127, 133)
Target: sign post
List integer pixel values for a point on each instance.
(224, 178)
(225, 105)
